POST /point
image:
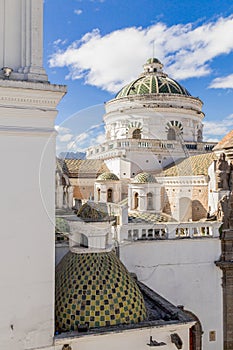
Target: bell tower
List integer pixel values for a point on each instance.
(21, 39)
(28, 107)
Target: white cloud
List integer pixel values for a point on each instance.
(61, 129)
(65, 138)
(81, 138)
(78, 12)
(222, 82)
(112, 60)
(216, 131)
(100, 138)
(59, 42)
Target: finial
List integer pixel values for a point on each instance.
(153, 52)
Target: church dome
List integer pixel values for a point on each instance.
(144, 178)
(107, 177)
(96, 290)
(152, 81)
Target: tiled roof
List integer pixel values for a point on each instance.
(195, 165)
(81, 168)
(226, 142)
(137, 218)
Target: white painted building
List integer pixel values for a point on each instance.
(27, 283)
(151, 122)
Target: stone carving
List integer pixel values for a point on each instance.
(225, 211)
(222, 173)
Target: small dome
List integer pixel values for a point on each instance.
(152, 81)
(144, 178)
(97, 290)
(107, 177)
(153, 60)
(62, 225)
(92, 212)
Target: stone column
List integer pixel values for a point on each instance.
(21, 39)
(226, 265)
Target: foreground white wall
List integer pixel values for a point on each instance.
(183, 271)
(27, 143)
(134, 339)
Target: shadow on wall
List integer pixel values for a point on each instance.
(198, 211)
(166, 204)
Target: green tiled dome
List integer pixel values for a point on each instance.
(97, 290)
(108, 176)
(62, 225)
(153, 81)
(144, 178)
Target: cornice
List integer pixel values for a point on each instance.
(27, 131)
(45, 86)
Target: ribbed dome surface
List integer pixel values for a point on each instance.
(153, 81)
(107, 176)
(143, 178)
(95, 289)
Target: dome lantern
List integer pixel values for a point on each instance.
(153, 65)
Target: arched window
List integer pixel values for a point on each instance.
(84, 241)
(109, 195)
(136, 201)
(199, 136)
(137, 134)
(171, 134)
(149, 201)
(98, 194)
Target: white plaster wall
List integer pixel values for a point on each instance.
(27, 242)
(120, 167)
(152, 122)
(213, 194)
(135, 339)
(27, 203)
(184, 272)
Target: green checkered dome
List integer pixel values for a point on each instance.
(95, 289)
(144, 178)
(107, 177)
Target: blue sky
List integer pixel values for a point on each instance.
(97, 46)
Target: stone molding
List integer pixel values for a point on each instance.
(27, 131)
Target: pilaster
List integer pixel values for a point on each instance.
(226, 265)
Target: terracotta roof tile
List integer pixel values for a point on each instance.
(81, 168)
(226, 142)
(195, 165)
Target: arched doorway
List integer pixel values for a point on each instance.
(150, 201)
(110, 195)
(137, 134)
(195, 333)
(136, 201)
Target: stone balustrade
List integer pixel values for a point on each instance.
(174, 230)
(118, 147)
